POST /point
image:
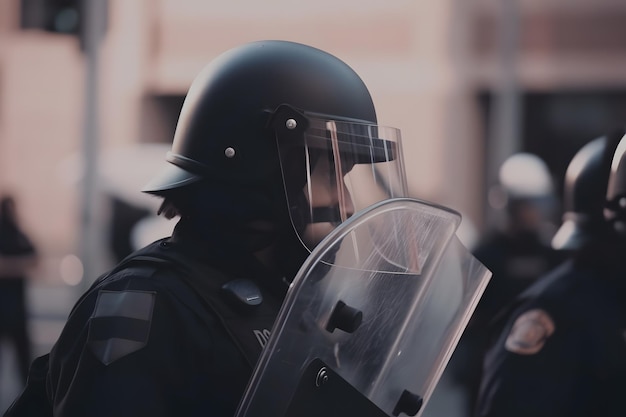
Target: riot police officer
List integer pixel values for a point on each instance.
(264, 164)
(561, 350)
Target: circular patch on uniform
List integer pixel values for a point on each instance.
(530, 332)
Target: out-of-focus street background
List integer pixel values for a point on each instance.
(90, 93)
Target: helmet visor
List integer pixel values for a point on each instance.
(334, 168)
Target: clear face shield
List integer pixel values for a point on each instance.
(334, 168)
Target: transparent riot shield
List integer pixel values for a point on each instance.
(371, 319)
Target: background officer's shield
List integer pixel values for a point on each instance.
(371, 318)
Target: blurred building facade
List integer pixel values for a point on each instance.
(467, 82)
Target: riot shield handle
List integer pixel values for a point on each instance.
(345, 318)
(408, 404)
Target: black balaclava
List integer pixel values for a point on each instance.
(236, 222)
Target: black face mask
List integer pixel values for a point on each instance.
(233, 223)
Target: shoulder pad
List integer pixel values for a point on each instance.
(120, 323)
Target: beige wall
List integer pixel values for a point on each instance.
(41, 114)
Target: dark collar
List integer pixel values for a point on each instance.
(231, 261)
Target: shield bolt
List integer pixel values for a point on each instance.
(322, 377)
(291, 124)
(229, 152)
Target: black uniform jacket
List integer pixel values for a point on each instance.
(562, 351)
(160, 339)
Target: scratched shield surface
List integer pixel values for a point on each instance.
(381, 302)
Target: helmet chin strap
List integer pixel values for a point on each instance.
(302, 215)
(326, 215)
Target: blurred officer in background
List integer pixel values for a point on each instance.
(562, 348)
(257, 173)
(18, 256)
(517, 251)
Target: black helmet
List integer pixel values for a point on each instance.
(615, 210)
(275, 112)
(584, 195)
(524, 182)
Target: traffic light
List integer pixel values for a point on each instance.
(56, 16)
(85, 19)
